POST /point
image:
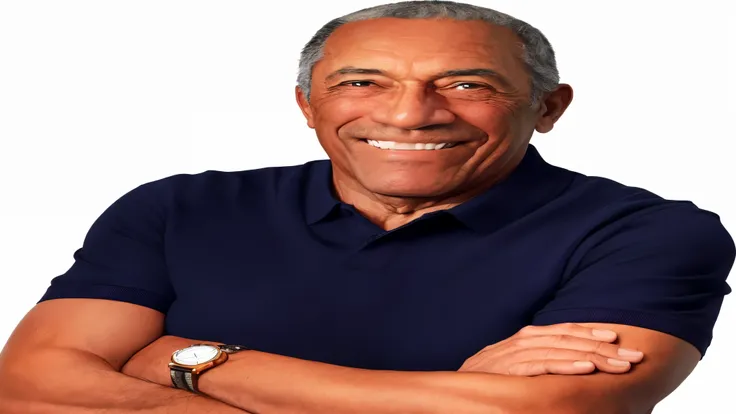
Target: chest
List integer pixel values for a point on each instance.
(392, 302)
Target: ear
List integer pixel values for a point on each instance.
(303, 103)
(552, 107)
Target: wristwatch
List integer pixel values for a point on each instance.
(189, 363)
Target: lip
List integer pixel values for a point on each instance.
(453, 143)
(453, 154)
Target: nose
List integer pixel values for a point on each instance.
(413, 108)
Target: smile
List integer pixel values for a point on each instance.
(405, 146)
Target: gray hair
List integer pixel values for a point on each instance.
(538, 54)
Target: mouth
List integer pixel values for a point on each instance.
(407, 146)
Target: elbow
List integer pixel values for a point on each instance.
(606, 404)
(595, 410)
(579, 403)
(10, 395)
(602, 405)
(8, 402)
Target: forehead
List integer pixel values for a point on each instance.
(418, 45)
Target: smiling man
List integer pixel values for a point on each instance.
(434, 264)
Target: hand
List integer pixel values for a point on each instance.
(568, 349)
(152, 362)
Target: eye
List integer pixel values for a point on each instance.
(357, 83)
(465, 86)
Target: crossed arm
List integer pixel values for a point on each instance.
(266, 383)
(67, 356)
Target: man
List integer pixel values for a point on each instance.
(435, 264)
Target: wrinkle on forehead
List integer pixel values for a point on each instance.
(416, 49)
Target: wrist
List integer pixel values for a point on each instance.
(226, 383)
(188, 364)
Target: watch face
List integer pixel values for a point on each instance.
(195, 355)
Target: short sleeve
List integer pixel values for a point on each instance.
(663, 270)
(122, 257)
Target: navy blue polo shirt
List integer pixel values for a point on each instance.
(270, 259)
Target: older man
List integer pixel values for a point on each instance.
(436, 263)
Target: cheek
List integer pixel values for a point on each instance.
(497, 119)
(333, 116)
(337, 112)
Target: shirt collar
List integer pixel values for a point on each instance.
(532, 184)
(319, 196)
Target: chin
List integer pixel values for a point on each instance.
(408, 187)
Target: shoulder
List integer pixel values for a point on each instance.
(605, 196)
(212, 187)
(604, 202)
(621, 218)
(641, 260)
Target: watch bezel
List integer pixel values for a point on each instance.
(186, 377)
(220, 354)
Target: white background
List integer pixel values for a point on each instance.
(97, 97)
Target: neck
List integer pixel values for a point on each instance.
(393, 211)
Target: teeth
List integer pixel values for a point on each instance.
(405, 146)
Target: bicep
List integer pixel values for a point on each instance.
(658, 278)
(667, 362)
(111, 330)
(110, 303)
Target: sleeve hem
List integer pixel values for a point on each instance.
(108, 292)
(697, 336)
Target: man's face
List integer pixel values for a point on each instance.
(387, 85)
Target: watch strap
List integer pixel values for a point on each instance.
(184, 379)
(231, 349)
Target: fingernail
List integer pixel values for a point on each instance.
(583, 364)
(629, 353)
(604, 334)
(618, 362)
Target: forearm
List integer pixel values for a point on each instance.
(55, 381)
(272, 384)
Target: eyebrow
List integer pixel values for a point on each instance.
(480, 72)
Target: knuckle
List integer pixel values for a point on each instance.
(587, 356)
(549, 353)
(569, 326)
(603, 347)
(519, 369)
(528, 330)
(558, 339)
(599, 360)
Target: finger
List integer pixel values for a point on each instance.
(571, 329)
(580, 344)
(602, 363)
(551, 366)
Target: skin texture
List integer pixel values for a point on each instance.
(492, 116)
(556, 349)
(505, 377)
(535, 350)
(67, 354)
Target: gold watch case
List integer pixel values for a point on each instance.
(219, 358)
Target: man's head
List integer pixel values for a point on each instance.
(429, 74)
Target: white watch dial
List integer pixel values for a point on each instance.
(195, 355)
